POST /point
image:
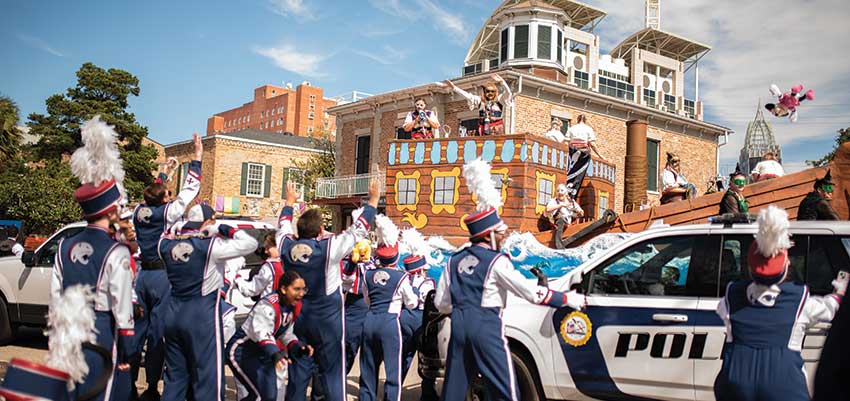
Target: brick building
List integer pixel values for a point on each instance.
(547, 52)
(244, 172)
(301, 111)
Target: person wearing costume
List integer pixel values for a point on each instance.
(387, 291)
(473, 289)
(94, 259)
(766, 319)
(674, 185)
(421, 123)
(768, 168)
(733, 200)
(582, 140)
(411, 320)
(555, 133)
(561, 210)
(788, 102)
(491, 107)
(834, 362)
(264, 281)
(151, 219)
(355, 305)
(195, 265)
(317, 258)
(263, 343)
(816, 205)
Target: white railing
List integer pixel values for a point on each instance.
(346, 186)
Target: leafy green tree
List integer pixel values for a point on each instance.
(843, 136)
(40, 196)
(98, 92)
(318, 165)
(10, 136)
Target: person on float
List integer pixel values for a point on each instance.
(195, 263)
(733, 200)
(151, 219)
(582, 140)
(264, 342)
(353, 286)
(93, 258)
(422, 123)
(317, 258)
(561, 210)
(473, 289)
(555, 133)
(387, 291)
(491, 106)
(674, 185)
(816, 205)
(766, 319)
(768, 168)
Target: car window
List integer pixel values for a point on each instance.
(654, 267)
(827, 254)
(47, 253)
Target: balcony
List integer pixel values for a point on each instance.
(347, 186)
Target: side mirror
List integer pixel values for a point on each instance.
(28, 258)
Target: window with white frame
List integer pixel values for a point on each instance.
(544, 191)
(280, 109)
(273, 110)
(310, 129)
(444, 190)
(497, 181)
(544, 42)
(279, 121)
(521, 41)
(311, 115)
(407, 191)
(581, 79)
(256, 177)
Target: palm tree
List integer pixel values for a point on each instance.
(10, 136)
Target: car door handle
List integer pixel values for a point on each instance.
(665, 317)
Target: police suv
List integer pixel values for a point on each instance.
(650, 330)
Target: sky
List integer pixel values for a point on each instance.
(196, 58)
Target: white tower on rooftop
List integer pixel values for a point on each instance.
(653, 14)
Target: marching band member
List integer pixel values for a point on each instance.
(317, 258)
(421, 123)
(387, 291)
(355, 305)
(93, 258)
(264, 281)
(266, 339)
(491, 107)
(474, 287)
(151, 220)
(766, 319)
(193, 331)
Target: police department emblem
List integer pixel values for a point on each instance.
(81, 252)
(467, 265)
(301, 253)
(144, 214)
(576, 329)
(381, 278)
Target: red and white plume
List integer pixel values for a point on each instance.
(70, 323)
(480, 183)
(99, 159)
(772, 236)
(386, 230)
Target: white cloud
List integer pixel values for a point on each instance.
(39, 44)
(450, 23)
(389, 56)
(755, 44)
(296, 8)
(288, 57)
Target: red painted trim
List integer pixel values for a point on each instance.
(10, 395)
(39, 369)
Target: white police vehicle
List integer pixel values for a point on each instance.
(650, 330)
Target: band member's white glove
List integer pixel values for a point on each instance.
(840, 282)
(576, 301)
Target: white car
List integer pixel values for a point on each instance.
(650, 330)
(25, 281)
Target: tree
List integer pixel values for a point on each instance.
(98, 92)
(843, 136)
(41, 197)
(318, 165)
(10, 136)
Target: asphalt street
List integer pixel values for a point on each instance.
(31, 344)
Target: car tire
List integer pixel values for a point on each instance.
(525, 380)
(6, 332)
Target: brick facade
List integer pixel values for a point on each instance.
(222, 163)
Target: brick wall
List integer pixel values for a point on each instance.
(345, 160)
(222, 168)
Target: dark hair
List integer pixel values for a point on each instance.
(484, 238)
(12, 231)
(581, 118)
(418, 99)
(770, 106)
(268, 242)
(288, 278)
(154, 194)
(310, 224)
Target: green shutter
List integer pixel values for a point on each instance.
(243, 183)
(651, 165)
(283, 183)
(267, 186)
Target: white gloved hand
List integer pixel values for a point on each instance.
(576, 301)
(210, 230)
(775, 91)
(840, 282)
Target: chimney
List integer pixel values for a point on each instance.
(635, 174)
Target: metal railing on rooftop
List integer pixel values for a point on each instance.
(346, 186)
